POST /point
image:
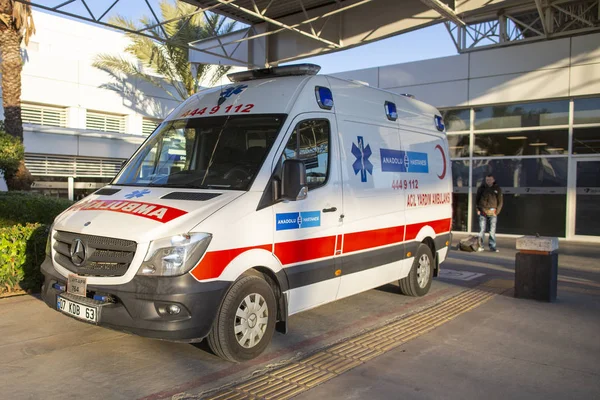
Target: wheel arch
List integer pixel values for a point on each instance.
(427, 237)
(262, 263)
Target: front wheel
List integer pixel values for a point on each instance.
(419, 279)
(245, 322)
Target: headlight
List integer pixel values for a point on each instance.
(174, 255)
(49, 242)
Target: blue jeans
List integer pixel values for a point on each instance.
(482, 225)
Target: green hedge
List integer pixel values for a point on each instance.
(23, 208)
(22, 251)
(24, 222)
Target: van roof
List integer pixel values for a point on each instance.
(282, 90)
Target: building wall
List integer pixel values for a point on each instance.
(552, 69)
(58, 72)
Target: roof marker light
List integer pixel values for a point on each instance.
(286, 70)
(390, 111)
(324, 97)
(439, 123)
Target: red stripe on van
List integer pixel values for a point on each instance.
(368, 239)
(214, 262)
(303, 250)
(439, 226)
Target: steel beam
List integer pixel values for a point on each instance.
(269, 33)
(444, 11)
(538, 5)
(277, 23)
(575, 16)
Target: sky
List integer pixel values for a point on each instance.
(426, 43)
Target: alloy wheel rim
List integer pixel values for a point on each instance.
(251, 320)
(423, 271)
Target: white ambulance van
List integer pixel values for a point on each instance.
(252, 202)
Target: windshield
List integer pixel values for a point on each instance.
(211, 153)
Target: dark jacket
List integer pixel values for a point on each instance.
(489, 197)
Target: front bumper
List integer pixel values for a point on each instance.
(135, 307)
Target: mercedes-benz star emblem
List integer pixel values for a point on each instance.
(77, 252)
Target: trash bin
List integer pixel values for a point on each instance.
(536, 268)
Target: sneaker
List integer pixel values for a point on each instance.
(495, 250)
(480, 249)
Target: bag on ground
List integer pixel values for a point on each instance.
(469, 244)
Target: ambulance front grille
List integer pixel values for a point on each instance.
(102, 256)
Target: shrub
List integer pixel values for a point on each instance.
(12, 153)
(22, 251)
(24, 222)
(23, 208)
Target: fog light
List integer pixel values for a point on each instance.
(173, 309)
(148, 270)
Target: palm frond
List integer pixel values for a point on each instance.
(169, 60)
(20, 19)
(120, 69)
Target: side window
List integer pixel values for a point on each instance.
(310, 143)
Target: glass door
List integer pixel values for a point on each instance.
(587, 203)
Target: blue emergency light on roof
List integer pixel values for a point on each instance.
(324, 97)
(439, 123)
(390, 111)
(286, 70)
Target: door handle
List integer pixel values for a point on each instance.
(331, 209)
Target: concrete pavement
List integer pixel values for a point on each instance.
(504, 348)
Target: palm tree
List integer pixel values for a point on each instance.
(166, 65)
(16, 25)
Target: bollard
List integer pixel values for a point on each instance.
(536, 268)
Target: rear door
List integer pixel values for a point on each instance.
(307, 232)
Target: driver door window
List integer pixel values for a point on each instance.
(309, 142)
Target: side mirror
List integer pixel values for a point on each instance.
(293, 181)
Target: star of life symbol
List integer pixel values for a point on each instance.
(225, 94)
(137, 193)
(362, 163)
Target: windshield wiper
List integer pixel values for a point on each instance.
(190, 186)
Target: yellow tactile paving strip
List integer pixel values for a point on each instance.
(290, 380)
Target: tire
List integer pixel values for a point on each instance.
(235, 338)
(418, 281)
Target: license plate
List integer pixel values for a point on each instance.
(77, 310)
(77, 285)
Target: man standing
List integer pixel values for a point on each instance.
(489, 204)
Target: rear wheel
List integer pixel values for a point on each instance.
(245, 322)
(419, 279)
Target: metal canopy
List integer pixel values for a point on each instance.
(525, 21)
(284, 30)
(273, 9)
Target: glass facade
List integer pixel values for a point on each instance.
(529, 148)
